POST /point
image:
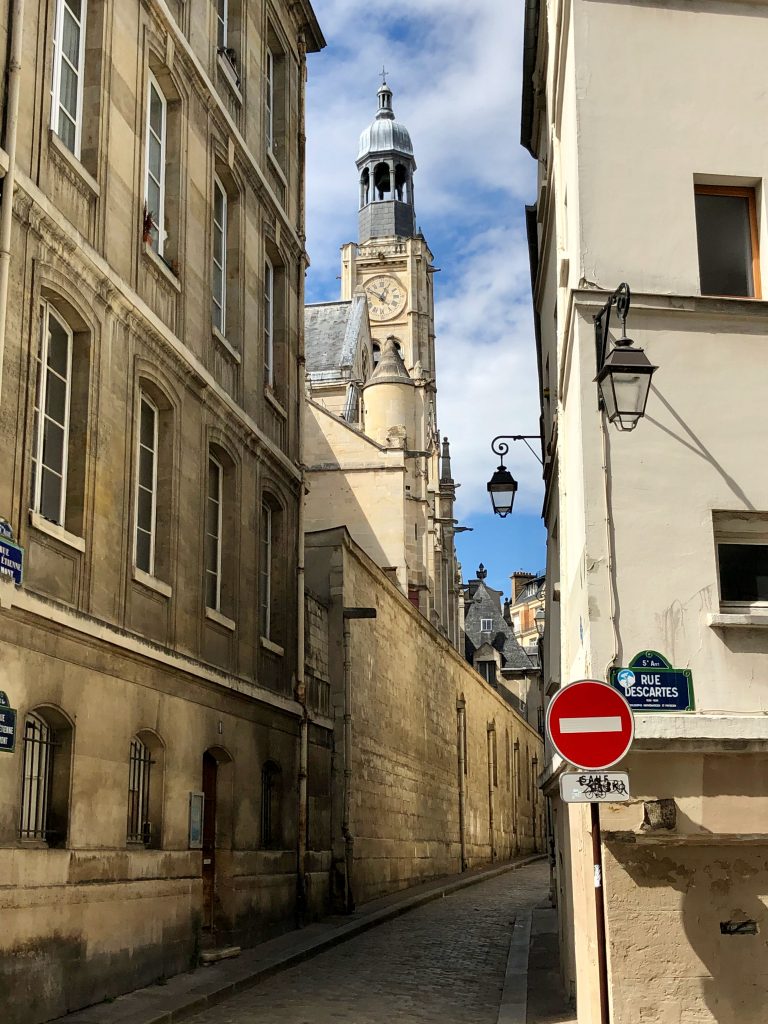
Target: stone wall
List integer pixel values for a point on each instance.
(408, 688)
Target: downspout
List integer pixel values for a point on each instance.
(461, 726)
(491, 770)
(301, 688)
(9, 144)
(349, 841)
(301, 697)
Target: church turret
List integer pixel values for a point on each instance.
(386, 165)
(390, 400)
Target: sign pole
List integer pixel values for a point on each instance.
(597, 861)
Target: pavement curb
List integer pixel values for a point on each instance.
(187, 993)
(514, 997)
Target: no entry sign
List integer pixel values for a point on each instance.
(590, 724)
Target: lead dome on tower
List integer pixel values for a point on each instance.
(384, 134)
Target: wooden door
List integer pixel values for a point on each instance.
(210, 768)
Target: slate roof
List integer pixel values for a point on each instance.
(486, 604)
(533, 590)
(331, 330)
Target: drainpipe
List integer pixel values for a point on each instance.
(9, 144)
(461, 726)
(301, 697)
(491, 768)
(301, 687)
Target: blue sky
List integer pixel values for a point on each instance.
(454, 69)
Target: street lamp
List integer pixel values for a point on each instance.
(624, 374)
(502, 486)
(540, 620)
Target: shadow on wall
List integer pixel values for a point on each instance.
(717, 959)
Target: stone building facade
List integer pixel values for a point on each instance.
(373, 453)
(651, 172)
(150, 432)
(434, 771)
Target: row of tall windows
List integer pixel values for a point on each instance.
(45, 785)
(160, 214)
(56, 445)
(68, 67)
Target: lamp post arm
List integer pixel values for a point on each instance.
(622, 300)
(500, 447)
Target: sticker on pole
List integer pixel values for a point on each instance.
(590, 724)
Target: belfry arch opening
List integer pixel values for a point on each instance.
(365, 188)
(382, 181)
(401, 183)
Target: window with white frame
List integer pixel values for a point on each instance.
(146, 486)
(213, 519)
(265, 571)
(269, 99)
(486, 625)
(222, 17)
(156, 158)
(741, 542)
(487, 670)
(51, 423)
(68, 68)
(269, 326)
(219, 269)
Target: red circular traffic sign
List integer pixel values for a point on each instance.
(590, 724)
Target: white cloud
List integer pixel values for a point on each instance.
(486, 368)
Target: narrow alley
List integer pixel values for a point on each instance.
(443, 963)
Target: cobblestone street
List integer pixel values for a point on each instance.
(443, 963)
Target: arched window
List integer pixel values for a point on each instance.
(221, 523)
(47, 757)
(376, 353)
(61, 417)
(145, 770)
(271, 809)
(153, 480)
(365, 187)
(269, 584)
(382, 181)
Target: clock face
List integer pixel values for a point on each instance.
(386, 298)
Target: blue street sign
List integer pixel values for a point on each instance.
(651, 684)
(7, 729)
(6, 530)
(11, 560)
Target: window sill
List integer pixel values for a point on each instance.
(220, 620)
(73, 163)
(227, 346)
(276, 167)
(739, 620)
(277, 406)
(152, 582)
(160, 265)
(230, 75)
(54, 530)
(269, 645)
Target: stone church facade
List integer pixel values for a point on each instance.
(373, 453)
(150, 435)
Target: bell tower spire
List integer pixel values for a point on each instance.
(386, 164)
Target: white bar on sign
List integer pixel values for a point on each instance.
(607, 724)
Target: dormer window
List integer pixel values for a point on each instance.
(486, 625)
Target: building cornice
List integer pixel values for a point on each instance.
(97, 632)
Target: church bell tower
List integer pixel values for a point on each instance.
(386, 165)
(391, 265)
